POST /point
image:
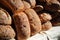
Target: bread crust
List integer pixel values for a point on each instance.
(46, 26)
(5, 18)
(45, 17)
(13, 5)
(22, 25)
(26, 5)
(6, 32)
(32, 3)
(35, 22)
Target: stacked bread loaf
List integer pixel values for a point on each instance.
(30, 16)
(6, 31)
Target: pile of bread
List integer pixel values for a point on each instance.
(29, 17)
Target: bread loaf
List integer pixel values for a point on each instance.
(35, 22)
(22, 25)
(6, 32)
(46, 26)
(32, 2)
(5, 18)
(26, 5)
(45, 17)
(13, 5)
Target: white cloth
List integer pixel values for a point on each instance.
(12, 39)
(52, 34)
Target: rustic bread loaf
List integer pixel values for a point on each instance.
(35, 22)
(32, 2)
(6, 32)
(13, 5)
(45, 17)
(5, 18)
(26, 5)
(38, 8)
(22, 25)
(46, 26)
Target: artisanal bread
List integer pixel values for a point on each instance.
(38, 8)
(6, 32)
(46, 26)
(13, 5)
(5, 18)
(35, 22)
(32, 2)
(26, 5)
(45, 17)
(17, 3)
(22, 25)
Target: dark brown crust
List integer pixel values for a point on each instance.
(38, 8)
(8, 5)
(56, 21)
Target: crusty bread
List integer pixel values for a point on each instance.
(32, 2)
(22, 25)
(38, 8)
(45, 17)
(13, 5)
(26, 5)
(46, 26)
(6, 32)
(35, 22)
(18, 4)
(5, 18)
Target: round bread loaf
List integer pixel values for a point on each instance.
(6, 32)
(13, 5)
(5, 18)
(22, 25)
(18, 4)
(45, 17)
(35, 22)
(46, 26)
(38, 8)
(26, 5)
(32, 2)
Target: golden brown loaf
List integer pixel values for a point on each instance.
(13, 5)
(6, 32)
(45, 17)
(22, 24)
(32, 3)
(5, 18)
(26, 5)
(46, 26)
(35, 22)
